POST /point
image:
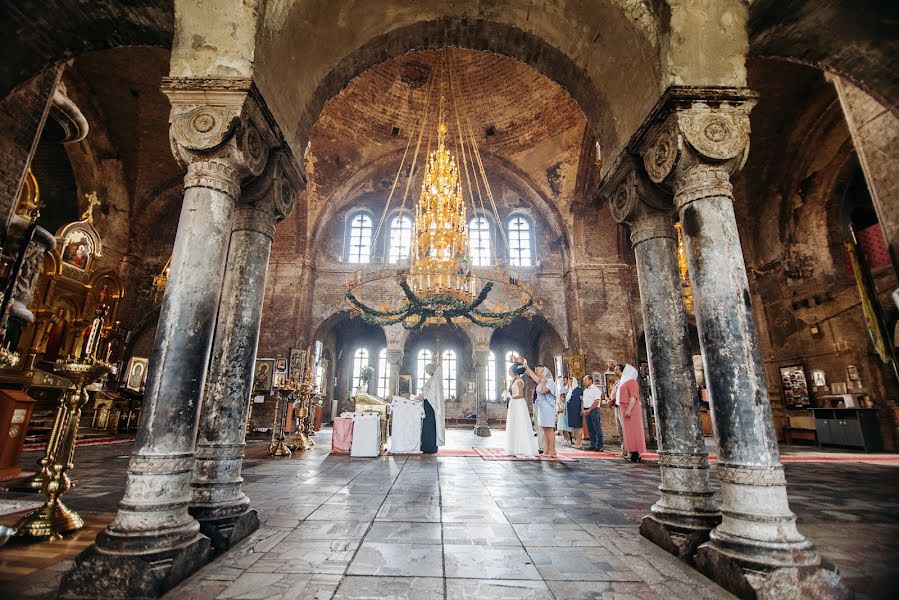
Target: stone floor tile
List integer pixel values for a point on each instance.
(390, 588)
(407, 560)
(473, 514)
(496, 562)
(409, 512)
(603, 590)
(496, 589)
(404, 532)
(560, 534)
(481, 534)
(587, 563)
(329, 530)
(339, 512)
(312, 556)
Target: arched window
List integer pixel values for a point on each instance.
(425, 357)
(360, 362)
(383, 374)
(319, 378)
(360, 239)
(400, 239)
(479, 241)
(519, 242)
(490, 378)
(448, 358)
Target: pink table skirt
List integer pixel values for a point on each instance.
(342, 436)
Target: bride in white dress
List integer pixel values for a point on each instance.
(520, 439)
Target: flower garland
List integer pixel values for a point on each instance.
(416, 312)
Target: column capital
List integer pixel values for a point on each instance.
(695, 139)
(269, 198)
(637, 201)
(221, 121)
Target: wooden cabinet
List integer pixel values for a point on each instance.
(852, 427)
(15, 413)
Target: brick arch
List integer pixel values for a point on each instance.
(838, 36)
(37, 36)
(606, 58)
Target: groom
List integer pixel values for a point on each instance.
(433, 428)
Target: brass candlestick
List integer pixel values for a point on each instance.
(299, 439)
(278, 449)
(53, 518)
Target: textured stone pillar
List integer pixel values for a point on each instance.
(756, 551)
(685, 513)
(395, 360)
(481, 426)
(217, 500)
(219, 133)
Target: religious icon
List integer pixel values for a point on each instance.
(818, 378)
(795, 386)
(297, 358)
(280, 379)
(577, 365)
(281, 364)
(137, 373)
(77, 249)
(264, 373)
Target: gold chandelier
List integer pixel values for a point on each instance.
(439, 286)
(440, 244)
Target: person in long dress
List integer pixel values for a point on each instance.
(628, 401)
(575, 411)
(433, 430)
(562, 411)
(545, 405)
(520, 440)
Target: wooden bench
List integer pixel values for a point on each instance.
(801, 428)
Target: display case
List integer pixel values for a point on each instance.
(850, 427)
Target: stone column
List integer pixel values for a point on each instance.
(694, 143)
(217, 500)
(395, 360)
(481, 427)
(219, 133)
(685, 513)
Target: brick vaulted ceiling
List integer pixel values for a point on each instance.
(535, 126)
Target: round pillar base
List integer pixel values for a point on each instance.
(101, 574)
(225, 532)
(755, 581)
(482, 430)
(678, 534)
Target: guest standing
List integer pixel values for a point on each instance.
(562, 411)
(591, 400)
(628, 401)
(545, 406)
(575, 410)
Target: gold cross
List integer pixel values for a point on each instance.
(92, 201)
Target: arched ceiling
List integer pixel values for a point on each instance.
(603, 52)
(534, 126)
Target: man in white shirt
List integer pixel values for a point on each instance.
(592, 401)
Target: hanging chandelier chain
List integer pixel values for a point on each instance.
(440, 286)
(420, 125)
(456, 94)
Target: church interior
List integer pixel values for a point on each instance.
(241, 237)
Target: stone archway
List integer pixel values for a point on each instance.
(561, 50)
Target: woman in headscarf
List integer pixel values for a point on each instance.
(627, 398)
(575, 410)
